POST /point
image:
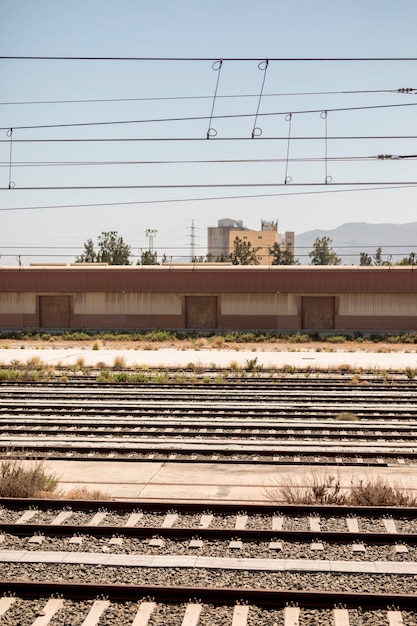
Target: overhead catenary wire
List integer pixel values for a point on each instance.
(205, 161)
(407, 90)
(208, 185)
(205, 199)
(198, 118)
(208, 59)
(170, 139)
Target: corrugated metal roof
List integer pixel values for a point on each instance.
(200, 279)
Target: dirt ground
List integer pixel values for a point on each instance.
(216, 342)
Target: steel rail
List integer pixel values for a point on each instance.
(245, 410)
(262, 383)
(210, 431)
(210, 595)
(273, 427)
(210, 534)
(207, 455)
(187, 507)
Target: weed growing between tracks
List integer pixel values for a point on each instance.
(19, 480)
(325, 489)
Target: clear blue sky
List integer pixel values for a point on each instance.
(161, 90)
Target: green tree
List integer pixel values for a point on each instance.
(243, 253)
(378, 257)
(408, 260)
(282, 256)
(111, 249)
(365, 259)
(323, 253)
(148, 258)
(89, 255)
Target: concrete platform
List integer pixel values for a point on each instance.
(153, 481)
(205, 482)
(195, 562)
(209, 357)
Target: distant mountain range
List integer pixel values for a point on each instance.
(349, 240)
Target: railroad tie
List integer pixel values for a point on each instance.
(169, 520)
(390, 526)
(144, 613)
(395, 618)
(291, 616)
(97, 518)
(192, 615)
(26, 516)
(341, 617)
(134, 518)
(241, 521)
(206, 520)
(314, 524)
(240, 615)
(5, 604)
(277, 522)
(61, 518)
(352, 524)
(96, 611)
(51, 607)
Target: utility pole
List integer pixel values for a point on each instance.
(192, 243)
(151, 234)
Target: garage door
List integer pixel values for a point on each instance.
(54, 311)
(201, 312)
(318, 312)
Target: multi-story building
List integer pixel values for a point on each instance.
(221, 239)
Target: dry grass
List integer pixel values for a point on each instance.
(20, 480)
(327, 489)
(378, 492)
(319, 490)
(82, 493)
(346, 417)
(119, 363)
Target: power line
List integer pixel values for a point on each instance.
(199, 118)
(408, 90)
(169, 139)
(206, 199)
(209, 185)
(208, 59)
(200, 161)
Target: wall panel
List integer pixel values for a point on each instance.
(118, 303)
(258, 304)
(22, 303)
(378, 304)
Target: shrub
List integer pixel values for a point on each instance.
(10, 375)
(252, 365)
(323, 489)
(299, 338)
(35, 363)
(80, 363)
(119, 363)
(82, 493)
(378, 492)
(346, 417)
(336, 339)
(320, 490)
(19, 480)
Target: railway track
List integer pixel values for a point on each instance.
(148, 564)
(274, 573)
(250, 423)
